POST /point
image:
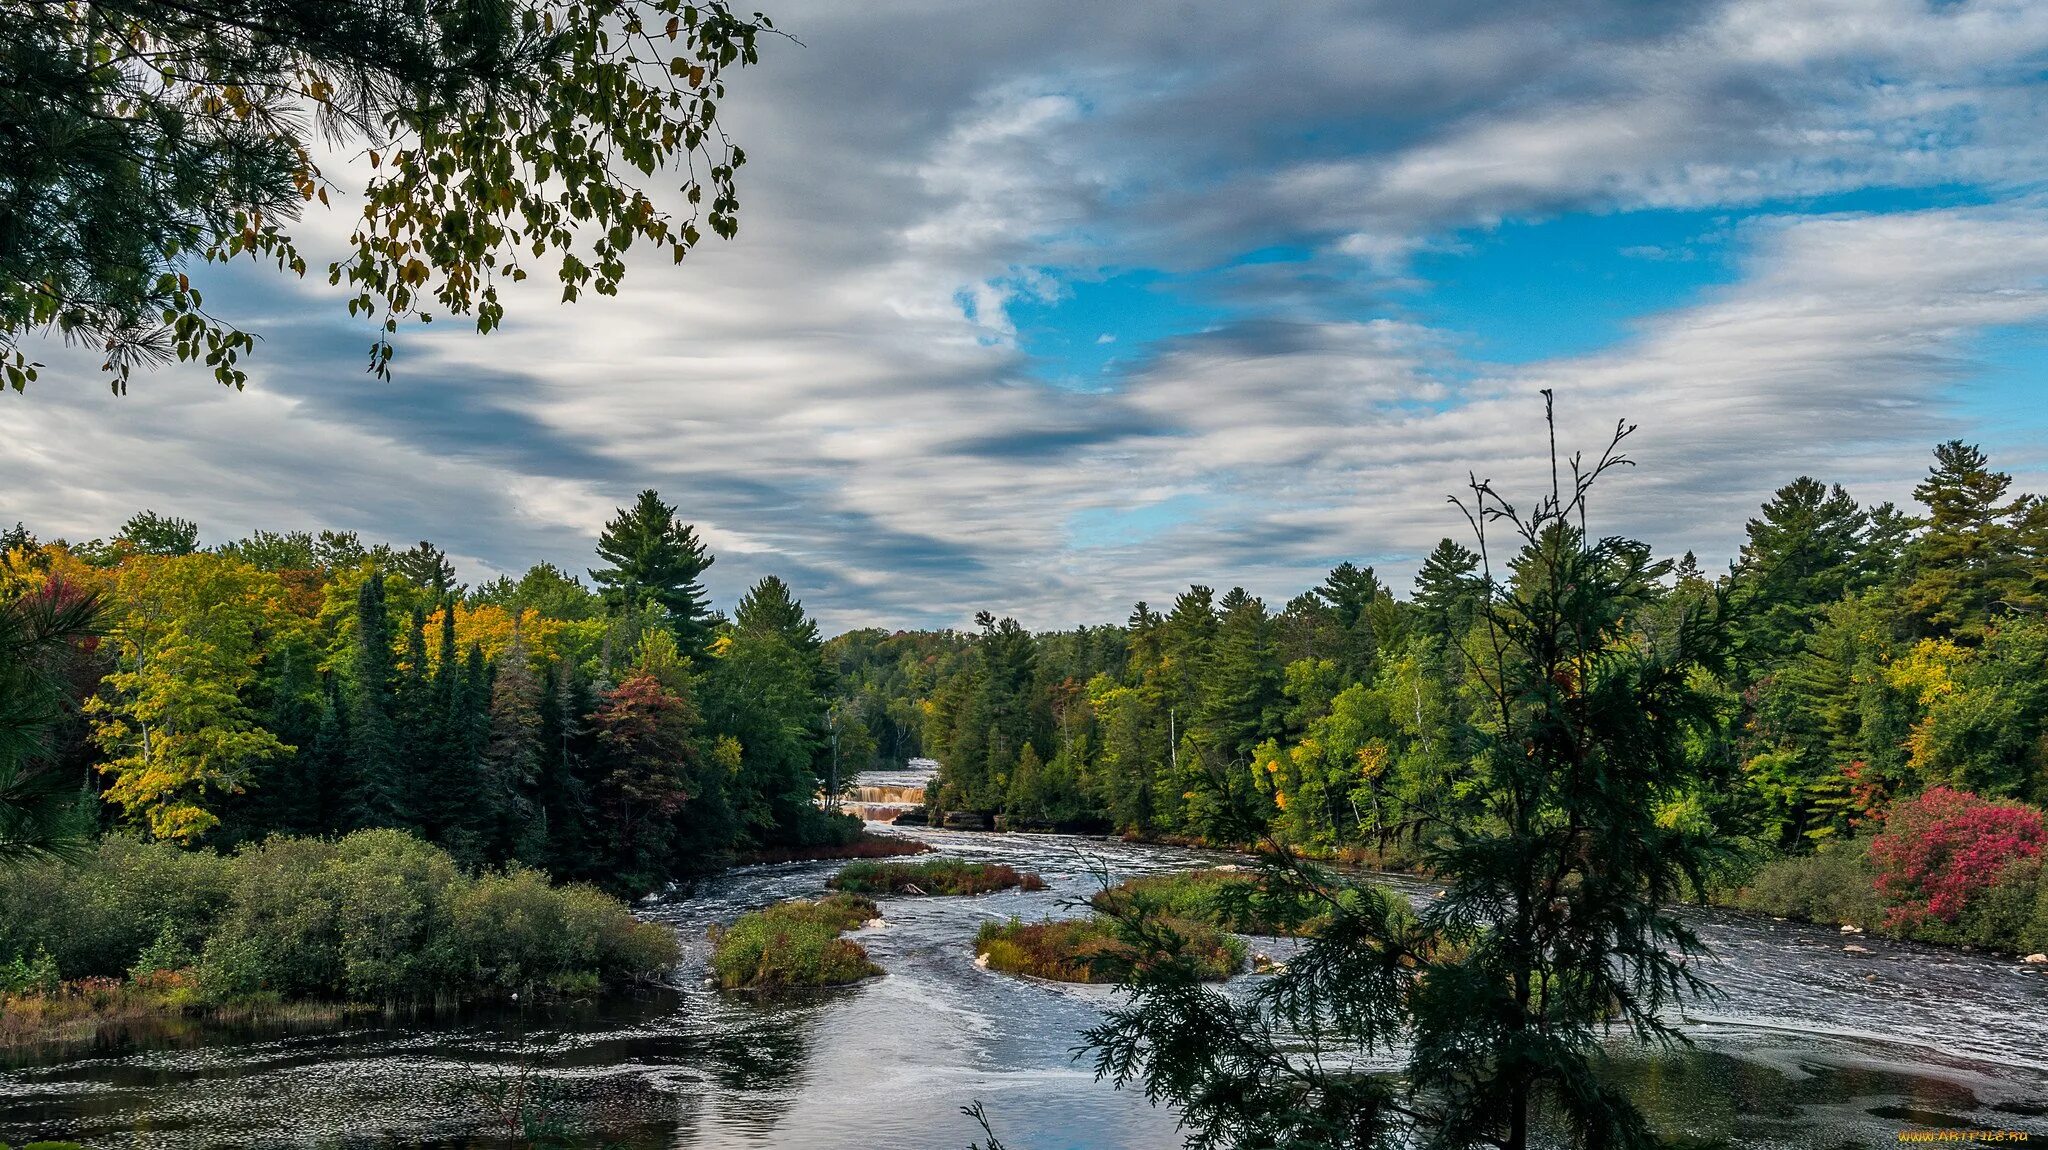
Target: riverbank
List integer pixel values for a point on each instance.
(868, 845)
(1804, 1051)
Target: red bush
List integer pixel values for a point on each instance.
(1939, 850)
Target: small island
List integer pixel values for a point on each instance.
(1092, 950)
(939, 876)
(794, 945)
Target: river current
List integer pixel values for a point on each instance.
(1808, 1047)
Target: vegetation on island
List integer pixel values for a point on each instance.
(1236, 899)
(794, 945)
(942, 876)
(1099, 949)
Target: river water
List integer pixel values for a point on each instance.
(1809, 1047)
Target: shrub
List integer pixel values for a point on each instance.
(96, 918)
(1836, 884)
(793, 945)
(1095, 950)
(377, 917)
(1944, 847)
(932, 877)
(1241, 901)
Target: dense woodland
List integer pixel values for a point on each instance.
(1878, 654)
(618, 731)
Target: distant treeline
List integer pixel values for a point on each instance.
(1880, 652)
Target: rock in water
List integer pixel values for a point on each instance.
(1852, 930)
(981, 961)
(873, 924)
(2036, 960)
(1852, 948)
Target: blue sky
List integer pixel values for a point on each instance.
(1046, 308)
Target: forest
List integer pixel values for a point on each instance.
(295, 683)
(1884, 703)
(621, 732)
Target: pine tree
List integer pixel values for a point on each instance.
(1241, 699)
(1968, 565)
(512, 756)
(1351, 592)
(1552, 931)
(375, 772)
(1447, 590)
(1804, 552)
(654, 559)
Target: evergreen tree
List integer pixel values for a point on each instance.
(1241, 698)
(375, 772)
(153, 534)
(1447, 590)
(428, 568)
(1559, 863)
(1351, 592)
(1804, 552)
(1969, 564)
(512, 755)
(654, 559)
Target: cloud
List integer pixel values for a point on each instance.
(842, 395)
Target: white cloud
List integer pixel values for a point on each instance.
(842, 395)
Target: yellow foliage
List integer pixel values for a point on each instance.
(189, 635)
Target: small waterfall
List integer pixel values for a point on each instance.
(884, 796)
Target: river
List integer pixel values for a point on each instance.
(1809, 1047)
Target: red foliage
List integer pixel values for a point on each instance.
(1939, 850)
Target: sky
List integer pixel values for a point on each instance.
(1044, 308)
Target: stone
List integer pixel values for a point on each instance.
(1852, 948)
(2036, 960)
(873, 924)
(981, 961)
(1852, 930)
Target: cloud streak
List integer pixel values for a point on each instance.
(844, 397)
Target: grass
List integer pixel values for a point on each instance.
(793, 945)
(867, 846)
(933, 877)
(1093, 950)
(1239, 901)
(77, 1012)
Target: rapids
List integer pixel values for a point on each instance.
(1808, 1047)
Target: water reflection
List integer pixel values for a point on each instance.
(1807, 1049)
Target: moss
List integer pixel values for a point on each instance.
(933, 877)
(793, 945)
(1094, 950)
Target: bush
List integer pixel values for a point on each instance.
(1837, 884)
(377, 917)
(1095, 950)
(96, 918)
(793, 945)
(932, 877)
(1940, 850)
(1245, 902)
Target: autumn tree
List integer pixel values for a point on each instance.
(177, 717)
(503, 140)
